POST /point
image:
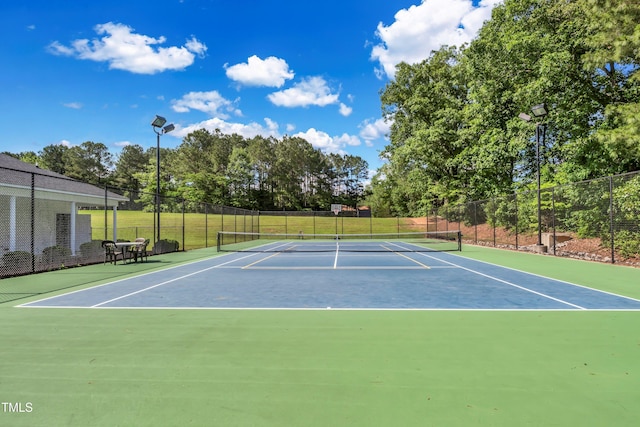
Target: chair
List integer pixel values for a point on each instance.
(111, 251)
(140, 249)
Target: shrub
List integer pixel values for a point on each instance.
(164, 246)
(628, 243)
(55, 255)
(91, 249)
(16, 262)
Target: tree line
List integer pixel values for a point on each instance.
(456, 134)
(211, 167)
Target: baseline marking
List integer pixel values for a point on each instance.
(164, 283)
(506, 282)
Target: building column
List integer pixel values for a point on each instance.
(72, 237)
(115, 223)
(12, 223)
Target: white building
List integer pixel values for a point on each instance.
(40, 208)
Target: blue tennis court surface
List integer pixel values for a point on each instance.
(341, 280)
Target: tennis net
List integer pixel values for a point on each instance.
(432, 241)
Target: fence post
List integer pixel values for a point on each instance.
(435, 218)
(495, 223)
(553, 217)
(475, 222)
(33, 223)
(183, 219)
(206, 225)
(105, 213)
(611, 218)
(515, 200)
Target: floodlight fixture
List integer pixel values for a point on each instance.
(168, 128)
(539, 110)
(525, 117)
(158, 122)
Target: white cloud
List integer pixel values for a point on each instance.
(345, 110)
(125, 50)
(350, 140)
(320, 140)
(421, 29)
(328, 144)
(372, 131)
(73, 105)
(310, 91)
(250, 130)
(270, 72)
(57, 48)
(122, 143)
(211, 103)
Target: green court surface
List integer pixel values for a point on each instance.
(167, 367)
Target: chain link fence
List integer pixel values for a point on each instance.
(49, 222)
(597, 220)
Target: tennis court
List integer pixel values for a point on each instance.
(415, 335)
(342, 273)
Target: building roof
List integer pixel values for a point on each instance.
(17, 174)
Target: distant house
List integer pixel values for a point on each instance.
(40, 209)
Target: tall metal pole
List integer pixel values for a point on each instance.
(158, 128)
(538, 111)
(538, 178)
(158, 187)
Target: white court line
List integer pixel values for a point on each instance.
(503, 281)
(354, 267)
(168, 281)
(550, 278)
(404, 256)
(568, 310)
(133, 275)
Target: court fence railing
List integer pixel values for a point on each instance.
(597, 220)
(44, 227)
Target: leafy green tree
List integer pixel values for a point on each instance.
(201, 160)
(89, 162)
(131, 160)
(456, 134)
(425, 104)
(262, 157)
(53, 158)
(29, 157)
(614, 49)
(288, 172)
(240, 178)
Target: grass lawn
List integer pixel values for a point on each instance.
(200, 230)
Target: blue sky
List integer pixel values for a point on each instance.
(76, 71)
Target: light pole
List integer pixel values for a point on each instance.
(158, 128)
(538, 111)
